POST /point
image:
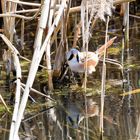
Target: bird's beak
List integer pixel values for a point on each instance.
(75, 55)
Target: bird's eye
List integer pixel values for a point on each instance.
(71, 56)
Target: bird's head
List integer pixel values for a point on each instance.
(73, 54)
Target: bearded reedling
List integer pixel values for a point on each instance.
(77, 60)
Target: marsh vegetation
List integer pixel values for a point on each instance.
(42, 97)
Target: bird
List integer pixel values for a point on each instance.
(76, 112)
(78, 61)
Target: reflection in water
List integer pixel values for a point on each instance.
(66, 119)
(77, 112)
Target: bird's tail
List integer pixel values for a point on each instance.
(102, 48)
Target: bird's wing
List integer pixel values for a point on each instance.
(90, 55)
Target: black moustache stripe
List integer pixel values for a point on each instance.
(71, 56)
(77, 58)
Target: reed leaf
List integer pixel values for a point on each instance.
(136, 91)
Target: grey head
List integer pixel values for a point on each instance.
(73, 53)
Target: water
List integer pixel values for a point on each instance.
(67, 117)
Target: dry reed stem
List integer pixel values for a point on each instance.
(85, 36)
(39, 50)
(4, 10)
(72, 10)
(126, 26)
(24, 11)
(116, 2)
(58, 60)
(13, 8)
(138, 130)
(20, 16)
(25, 3)
(37, 114)
(57, 6)
(63, 45)
(111, 61)
(22, 57)
(22, 33)
(103, 83)
(77, 34)
(39, 93)
(48, 49)
(15, 55)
